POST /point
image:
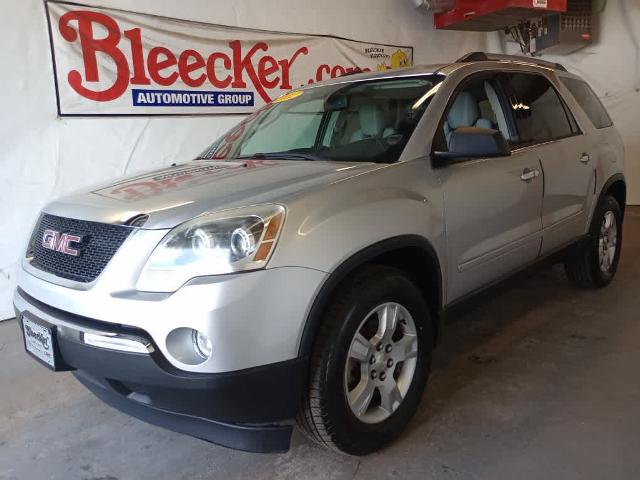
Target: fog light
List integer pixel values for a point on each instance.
(202, 344)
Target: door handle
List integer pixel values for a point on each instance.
(586, 158)
(528, 175)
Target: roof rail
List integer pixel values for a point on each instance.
(483, 57)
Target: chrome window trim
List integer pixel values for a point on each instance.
(524, 148)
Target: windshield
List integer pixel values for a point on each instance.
(361, 121)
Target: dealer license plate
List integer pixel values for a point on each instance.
(38, 340)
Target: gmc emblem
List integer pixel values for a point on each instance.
(60, 242)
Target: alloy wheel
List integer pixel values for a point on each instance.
(381, 363)
(608, 241)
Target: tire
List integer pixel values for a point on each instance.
(584, 265)
(326, 415)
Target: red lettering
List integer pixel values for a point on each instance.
(137, 56)
(135, 191)
(268, 66)
(242, 64)
(91, 45)
(211, 69)
(322, 69)
(60, 242)
(155, 65)
(65, 242)
(185, 68)
(163, 67)
(50, 239)
(286, 67)
(337, 71)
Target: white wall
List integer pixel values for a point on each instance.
(42, 157)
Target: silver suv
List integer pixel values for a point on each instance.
(298, 268)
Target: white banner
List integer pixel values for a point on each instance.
(112, 62)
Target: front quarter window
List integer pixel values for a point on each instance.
(358, 121)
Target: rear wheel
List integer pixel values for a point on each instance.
(370, 363)
(593, 263)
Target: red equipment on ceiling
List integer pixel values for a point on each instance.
(490, 15)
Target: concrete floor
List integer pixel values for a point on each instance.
(539, 381)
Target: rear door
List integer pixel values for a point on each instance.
(492, 205)
(547, 127)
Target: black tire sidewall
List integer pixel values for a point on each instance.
(608, 204)
(350, 434)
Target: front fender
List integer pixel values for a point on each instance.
(325, 228)
(345, 269)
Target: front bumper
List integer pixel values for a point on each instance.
(244, 396)
(252, 318)
(243, 409)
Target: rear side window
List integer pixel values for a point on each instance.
(589, 102)
(539, 112)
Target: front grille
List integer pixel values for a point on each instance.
(99, 242)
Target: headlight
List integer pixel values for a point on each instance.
(213, 244)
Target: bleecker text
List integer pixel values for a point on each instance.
(241, 65)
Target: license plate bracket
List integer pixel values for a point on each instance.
(41, 342)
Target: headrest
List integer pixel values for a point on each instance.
(464, 111)
(484, 123)
(370, 120)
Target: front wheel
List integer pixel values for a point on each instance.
(370, 363)
(594, 262)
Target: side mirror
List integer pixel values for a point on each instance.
(473, 142)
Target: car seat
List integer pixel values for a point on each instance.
(464, 113)
(371, 124)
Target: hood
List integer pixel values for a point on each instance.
(172, 195)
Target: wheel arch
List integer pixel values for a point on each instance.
(412, 254)
(616, 186)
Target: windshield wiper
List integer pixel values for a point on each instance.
(280, 156)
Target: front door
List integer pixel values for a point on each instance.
(492, 205)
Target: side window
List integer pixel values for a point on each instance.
(476, 104)
(589, 102)
(539, 113)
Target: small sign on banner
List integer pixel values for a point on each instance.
(112, 62)
(540, 3)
